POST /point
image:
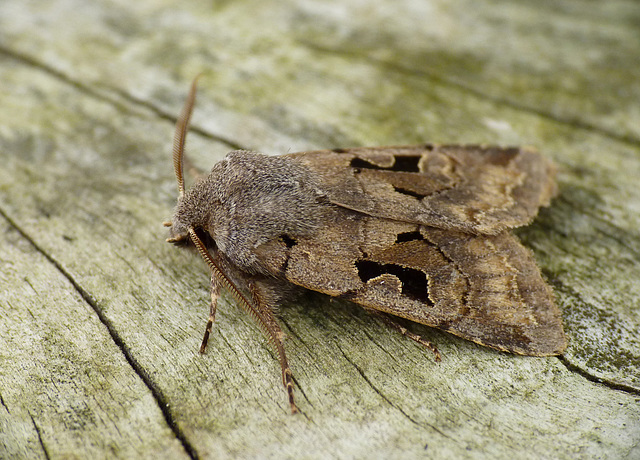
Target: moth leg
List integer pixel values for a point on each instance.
(215, 293)
(260, 294)
(387, 319)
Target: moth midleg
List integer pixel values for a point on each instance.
(388, 320)
(215, 293)
(258, 297)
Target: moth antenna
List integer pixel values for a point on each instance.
(268, 330)
(180, 136)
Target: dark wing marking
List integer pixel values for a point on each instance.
(482, 190)
(484, 288)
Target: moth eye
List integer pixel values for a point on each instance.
(414, 282)
(288, 241)
(205, 237)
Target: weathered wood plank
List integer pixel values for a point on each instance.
(89, 93)
(66, 390)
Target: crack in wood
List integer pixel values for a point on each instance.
(386, 399)
(40, 440)
(572, 121)
(106, 97)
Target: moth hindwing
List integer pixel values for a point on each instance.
(417, 232)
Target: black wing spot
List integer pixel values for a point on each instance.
(409, 236)
(359, 163)
(407, 163)
(414, 282)
(288, 241)
(403, 163)
(404, 191)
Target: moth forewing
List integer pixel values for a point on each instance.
(418, 232)
(476, 189)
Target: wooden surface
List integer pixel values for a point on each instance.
(100, 319)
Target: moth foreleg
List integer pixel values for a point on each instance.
(263, 299)
(215, 293)
(388, 319)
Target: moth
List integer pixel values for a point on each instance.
(415, 232)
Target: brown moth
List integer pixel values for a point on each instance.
(416, 232)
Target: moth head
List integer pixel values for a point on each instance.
(179, 227)
(189, 214)
(193, 211)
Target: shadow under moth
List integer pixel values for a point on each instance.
(416, 232)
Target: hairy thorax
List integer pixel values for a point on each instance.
(249, 199)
